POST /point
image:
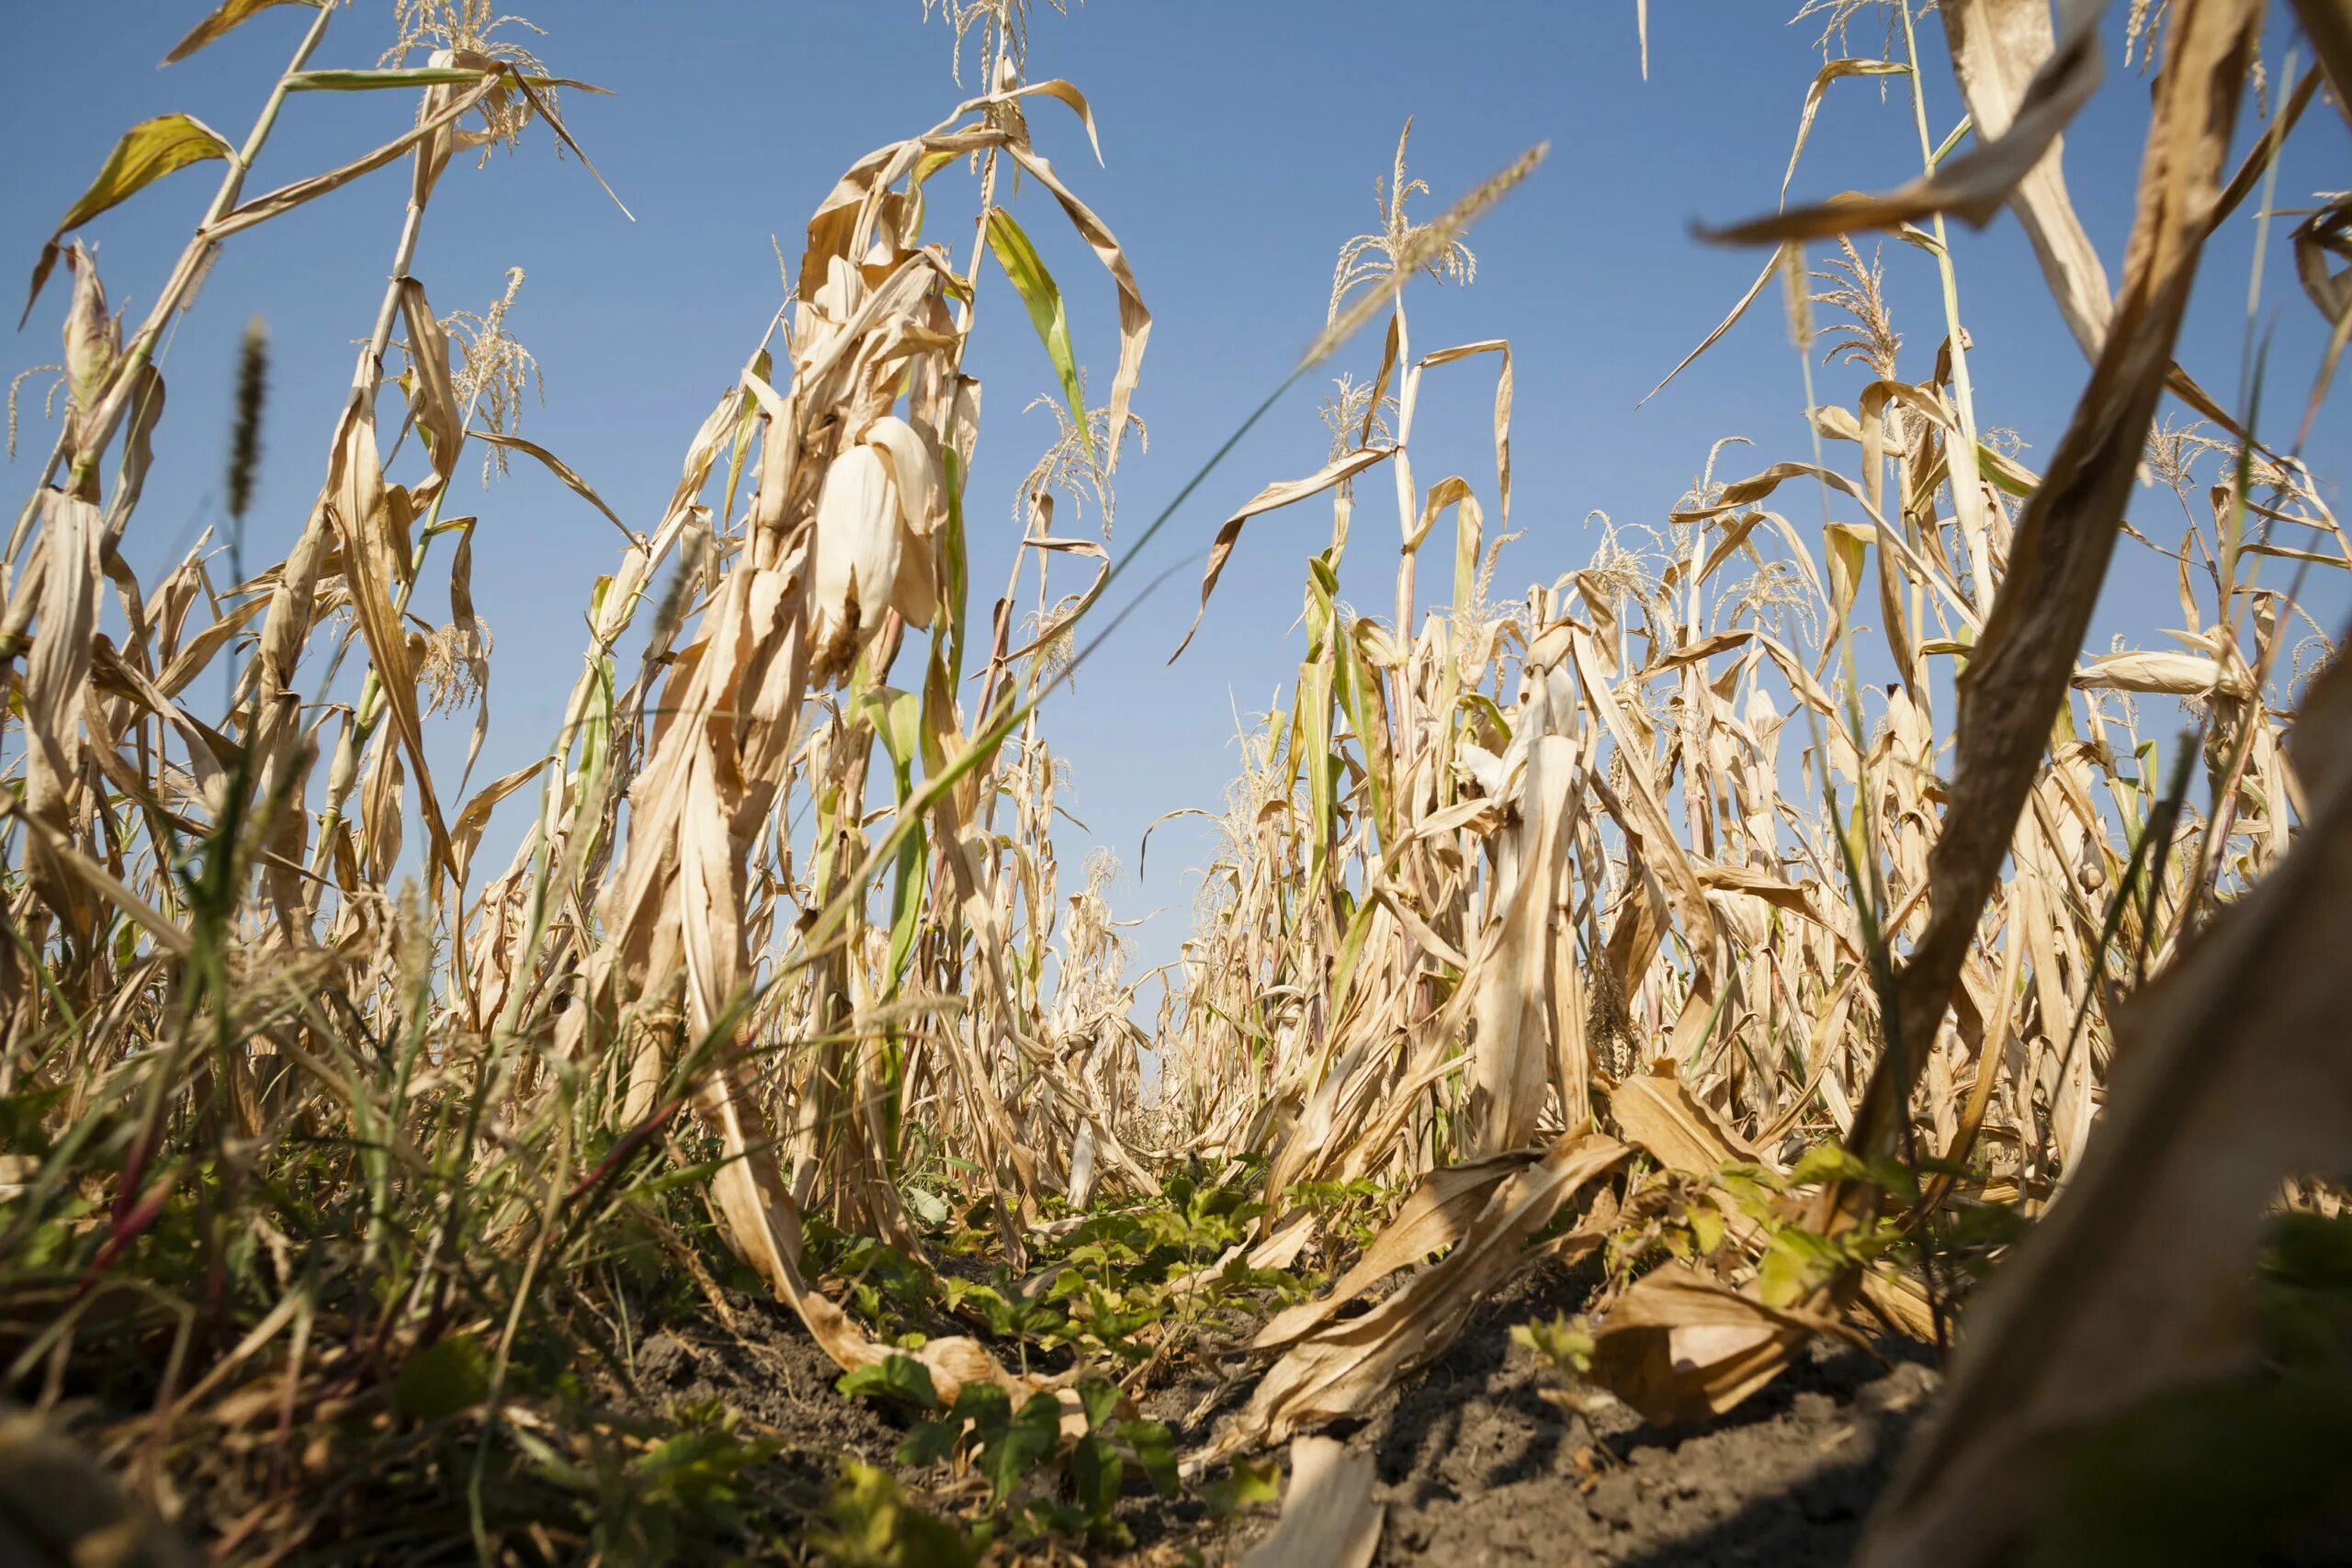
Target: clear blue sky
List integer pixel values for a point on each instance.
(1241, 142)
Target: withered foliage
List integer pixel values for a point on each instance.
(1617, 919)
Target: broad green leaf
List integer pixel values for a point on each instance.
(985, 1407)
(228, 14)
(1154, 1447)
(1010, 1451)
(147, 152)
(893, 1377)
(1251, 1483)
(1101, 1399)
(1096, 1472)
(870, 1522)
(442, 1378)
(930, 1442)
(1038, 291)
(1827, 1162)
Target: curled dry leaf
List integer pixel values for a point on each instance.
(1274, 496)
(554, 464)
(1432, 1218)
(1973, 186)
(1681, 1346)
(434, 397)
(1340, 1366)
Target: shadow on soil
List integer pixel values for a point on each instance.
(1479, 1469)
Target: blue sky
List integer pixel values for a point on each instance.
(1241, 141)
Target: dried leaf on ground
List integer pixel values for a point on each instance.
(1329, 1519)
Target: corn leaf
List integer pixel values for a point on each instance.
(229, 14)
(1026, 272)
(147, 152)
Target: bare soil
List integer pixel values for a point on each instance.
(1475, 1466)
(1478, 1469)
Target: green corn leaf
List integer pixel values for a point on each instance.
(147, 152)
(898, 722)
(1038, 291)
(370, 81)
(1007, 1446)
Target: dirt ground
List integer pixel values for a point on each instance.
(1476, 1467)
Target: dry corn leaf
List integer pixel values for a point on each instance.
(228, 14)
(1837, 69)
(1974, 186)
(1996, 48)
(2016, 678)
(1730, 319)
(2233, 1073)
(1335, 1370)
(270, 204)
(2328, 24)
(371, 523)
(1329, 1519)
(57, 675)
(1681, 1346)
(1433, 1217)
(1268, 500)
(434, 395)
(465, 833)
(1511, 973)
(1656, 1111)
